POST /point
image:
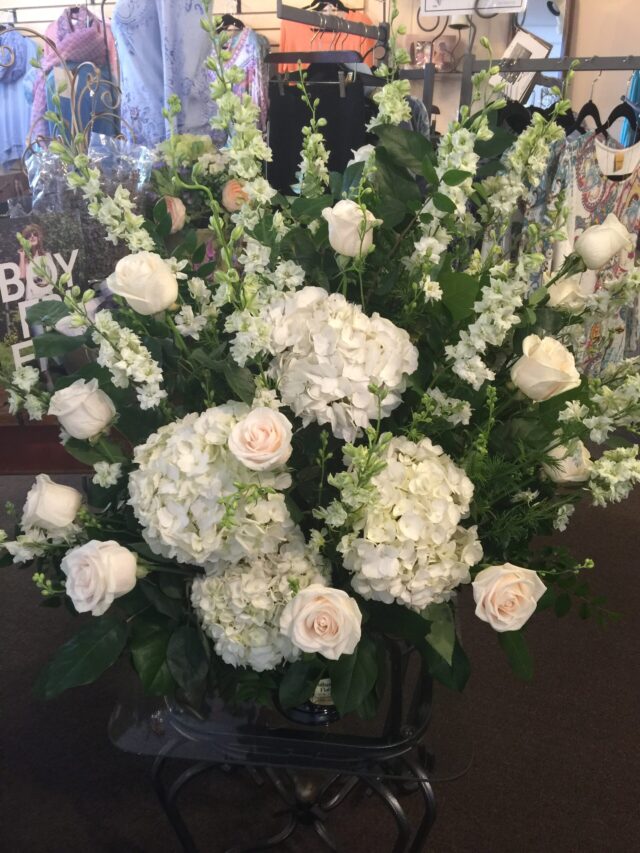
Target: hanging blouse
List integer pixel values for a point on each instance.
(583, 172)
(162, 50)
(248, 50)
(16, 53)
(301, 38)
(79, 37)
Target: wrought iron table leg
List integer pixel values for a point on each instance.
(428, 819)
(392, 803)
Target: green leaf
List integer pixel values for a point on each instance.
(459, 292)
(187, 658)
(353, 676)
(308, 209)
(240, 380)
(53, 344)
(162, 219)
(299, 682)
(394, 182)
(297, 245)
(442, 634)
(397, 621)
(351, 178)
(454, 675)
(83, 658)
(47, 312)
(407, 147)
(108, 451)
(496, 146)
(443, 203)
(517, 652)
(455, 176)
(151, 636)
(168, 606)
(429, 172)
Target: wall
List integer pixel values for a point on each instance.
(604, 29)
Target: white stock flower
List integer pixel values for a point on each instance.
(563, 516)
(145, 282)
(25, 378)
(567, 295)
(545, 369)
(362, 154)
(614, 475)
(350, 228)
(190, 324)
(240, 609)
(450, 408)
(185, 494)
(106, 474)
(328, 354)
(34, 407)
(262, 440)
(83, 410)
(410, 547)
(572, 464)
(598, 244)
(322, 620)
(50, 506)
(506, 596)
(98, 573)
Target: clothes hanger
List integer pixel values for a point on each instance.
(589, 110)
(322, 4)
(623, 110)
(230, 21)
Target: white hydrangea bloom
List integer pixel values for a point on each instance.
(410, 547)
(185, 472)
(106, 474)
(328, 354)
(240, 609)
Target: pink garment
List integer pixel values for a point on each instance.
(246, 53)
(79, 38)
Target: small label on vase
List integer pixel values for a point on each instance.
(322, 694)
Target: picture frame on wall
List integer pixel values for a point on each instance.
(524, 45)
(467, 7)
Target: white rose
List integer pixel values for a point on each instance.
(49, 505)
(567, 295)
(347, 223)
(262, 440)
(546, 369)
(362, 154)
(573, 465)
(322, 619)
(506, 596)
(97, 573)
(145, 282)
(177, 211)
(83, 410)
(600, 243)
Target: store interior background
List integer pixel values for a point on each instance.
(554, 762)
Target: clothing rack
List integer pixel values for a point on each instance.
(333, 23)
(471, 66)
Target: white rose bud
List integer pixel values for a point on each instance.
(324, 620)
(600, 243)
(261, 440)
(573, 465)
(350, 230)
(177, 211)
(145, 282)
(83, 410)
(97, 573)
(546, 369)
(567, 295)
(49, 505)
(362, 154)
(506, 596)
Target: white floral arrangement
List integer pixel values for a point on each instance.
(316, 420)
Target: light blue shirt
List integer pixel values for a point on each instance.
(162, 50)
(15, 113)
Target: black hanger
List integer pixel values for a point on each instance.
(319, 5)
(589, 110)
(623, 110)
(515, 115)
(566, 121)
(230, 21)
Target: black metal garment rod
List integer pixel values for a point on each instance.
(333, 23)
(471, 65)
(318, 56)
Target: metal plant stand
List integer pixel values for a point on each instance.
(313, 770)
